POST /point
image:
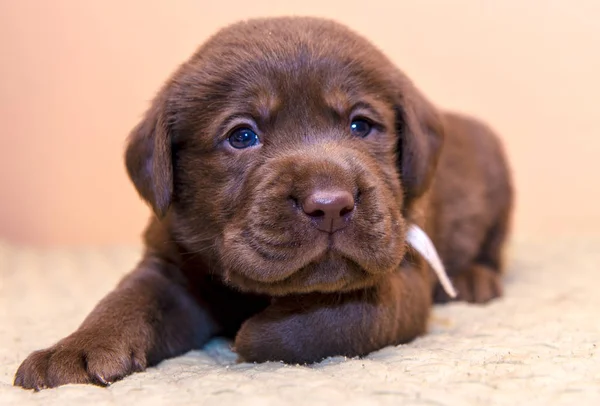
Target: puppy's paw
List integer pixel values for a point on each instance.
(80, 358)
(288, 330)
(478, 284)
(255, 342)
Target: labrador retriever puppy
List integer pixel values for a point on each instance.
(284, 163)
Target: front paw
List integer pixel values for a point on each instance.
(84, 357)
(308, 328)
(287, 330)
(256, 342)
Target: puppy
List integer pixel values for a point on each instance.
(284, 163)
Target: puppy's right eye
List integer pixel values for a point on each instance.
(243, 137)
(360, 127)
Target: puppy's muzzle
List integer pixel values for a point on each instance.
(329, 210)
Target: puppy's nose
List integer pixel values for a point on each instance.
(330, 210)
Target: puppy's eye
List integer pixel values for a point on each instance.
(360, 127)
(243, 137)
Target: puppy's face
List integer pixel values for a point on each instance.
(286, 151)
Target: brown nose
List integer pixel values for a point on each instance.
(330, 210)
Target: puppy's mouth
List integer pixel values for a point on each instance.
(325, 263)
(330, 272)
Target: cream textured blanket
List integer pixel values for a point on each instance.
(538, 345)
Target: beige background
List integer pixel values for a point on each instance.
(75, 76)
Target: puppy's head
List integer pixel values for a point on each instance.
(289, 152)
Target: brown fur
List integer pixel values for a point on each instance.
(230, 251)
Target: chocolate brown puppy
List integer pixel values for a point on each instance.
(284, 162)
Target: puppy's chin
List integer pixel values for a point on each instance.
(329, 273)
(321, 262)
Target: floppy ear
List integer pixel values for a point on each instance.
(148, 158)
(421, 134)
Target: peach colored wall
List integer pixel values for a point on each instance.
(75, 76)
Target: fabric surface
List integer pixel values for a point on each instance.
(538, 345)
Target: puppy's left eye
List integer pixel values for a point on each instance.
(360, 127)
(243, 138)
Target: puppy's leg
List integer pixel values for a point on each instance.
(308, 328)
(150, 316)
(481, 281)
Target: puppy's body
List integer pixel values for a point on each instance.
(284, 162)
(468, 221)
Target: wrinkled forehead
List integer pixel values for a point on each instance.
(263, 79)
(298, 72)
